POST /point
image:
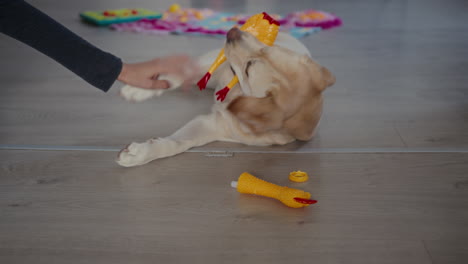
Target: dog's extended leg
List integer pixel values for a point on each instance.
(135, 94)
(200, 131)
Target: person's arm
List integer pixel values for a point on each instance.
(25, 23)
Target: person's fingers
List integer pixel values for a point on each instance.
(178, 64)
(160, 84)
(179, 58)
(142, 83)
(181, 66)
(173, 62)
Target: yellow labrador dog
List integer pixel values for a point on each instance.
(278, 99)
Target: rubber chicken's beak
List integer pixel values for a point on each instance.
(304, 201)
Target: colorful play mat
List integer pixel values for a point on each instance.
(193, 21)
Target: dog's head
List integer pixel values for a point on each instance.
(282, 89)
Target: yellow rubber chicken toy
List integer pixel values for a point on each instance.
(262, 26)
(295, 198)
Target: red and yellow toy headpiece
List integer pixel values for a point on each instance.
(264, 28)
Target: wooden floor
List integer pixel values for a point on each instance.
(389, 166)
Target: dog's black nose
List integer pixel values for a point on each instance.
(233, 34)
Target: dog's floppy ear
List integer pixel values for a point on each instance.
(317, 71)
(259, 114)
(328, 78)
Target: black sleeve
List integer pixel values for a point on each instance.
(25, 23)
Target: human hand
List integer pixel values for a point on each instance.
(145, 74)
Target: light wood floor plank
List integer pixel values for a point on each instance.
(56, 204)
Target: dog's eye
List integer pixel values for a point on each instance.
(249, 63)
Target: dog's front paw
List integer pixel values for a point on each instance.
(135, 94)
(135, 154)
